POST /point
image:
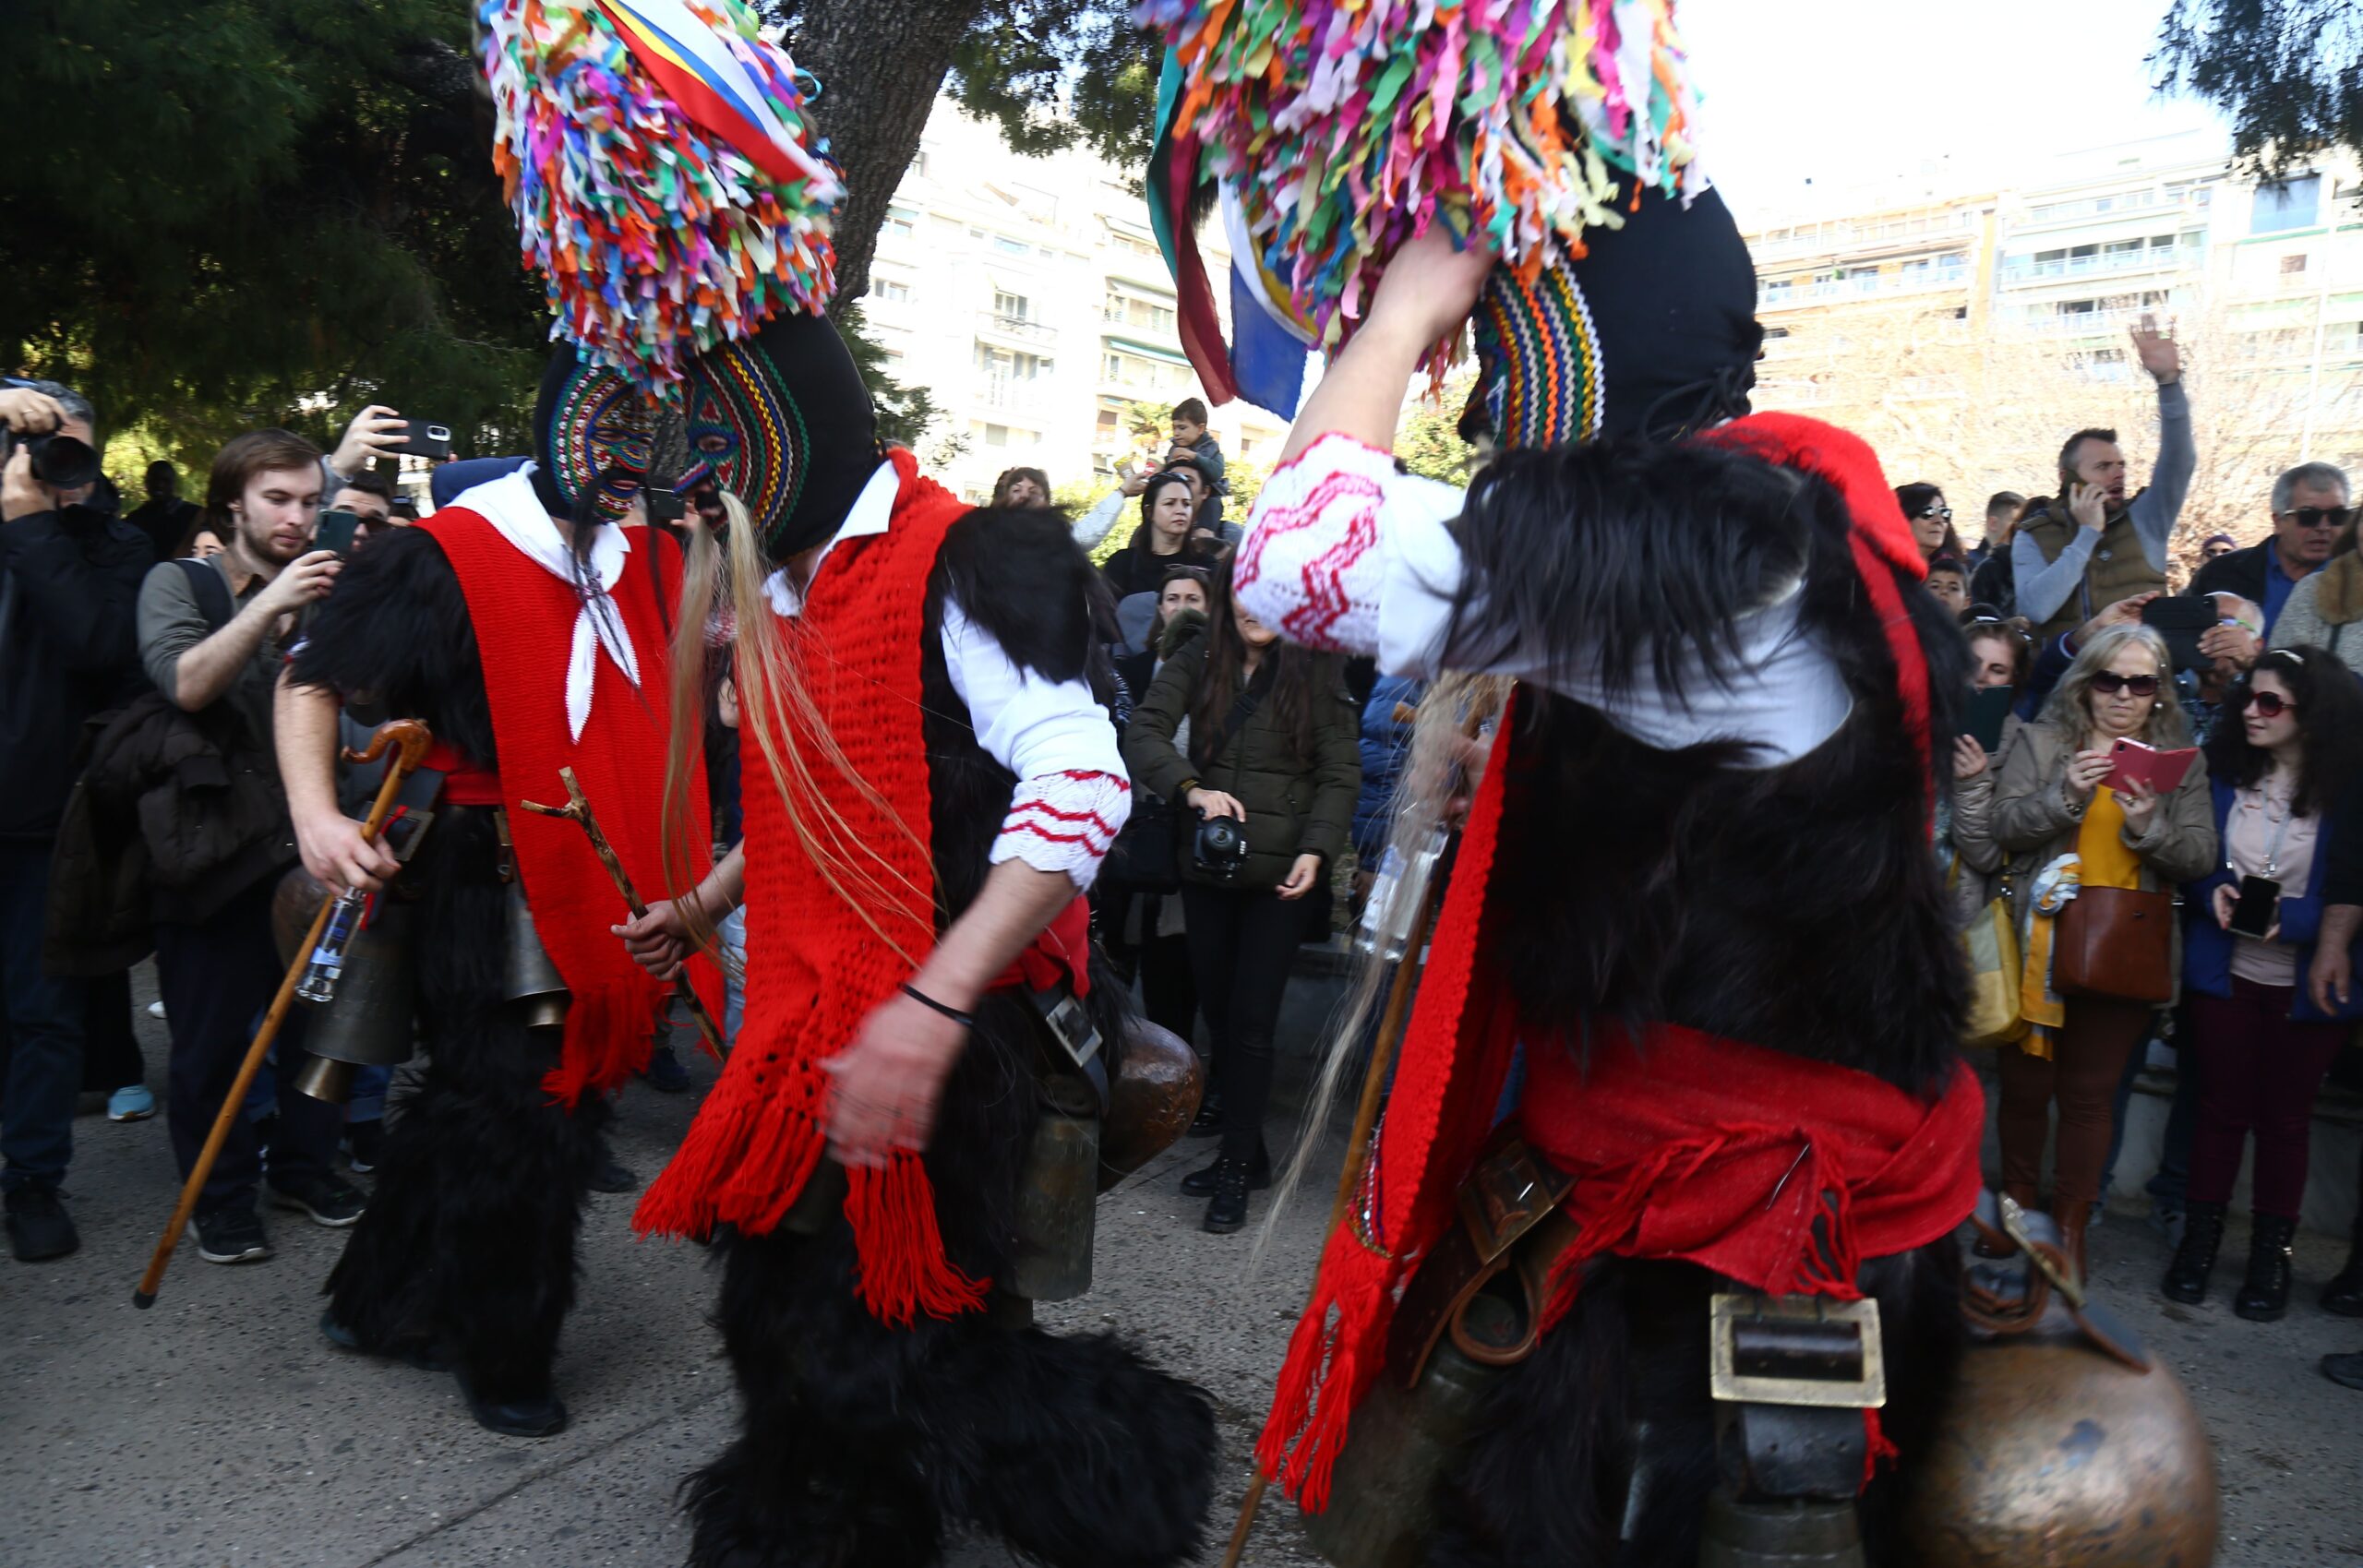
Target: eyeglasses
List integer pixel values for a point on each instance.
(2321, 516)
(1938, 509)
(2109, 683)
(2271, 704)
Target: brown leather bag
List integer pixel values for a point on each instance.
(2117, 943)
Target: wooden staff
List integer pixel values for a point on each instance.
(412, 739)
(1381, 1057)
(577, 809)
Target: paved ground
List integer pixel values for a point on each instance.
(219, 1430)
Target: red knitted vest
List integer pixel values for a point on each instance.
(815, 965)
(524, 623)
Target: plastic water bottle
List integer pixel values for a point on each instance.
(320, 976)
(1396, 895)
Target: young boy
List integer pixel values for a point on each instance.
(1948, 580)
(1190, 439)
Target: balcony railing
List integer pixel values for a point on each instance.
(1846, 231)
(1016, 327)
(1918, 279)
(1012, 394)
(2151, 258)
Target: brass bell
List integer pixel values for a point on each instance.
(2053, 1452)
(1058, 1196)
(370, 1022)
(1155, 1082)
(530, 978)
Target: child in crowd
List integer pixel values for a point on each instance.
(1948, 580)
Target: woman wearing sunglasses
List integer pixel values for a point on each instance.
(2263, 1045)
(2064, 831)
(1931, 519)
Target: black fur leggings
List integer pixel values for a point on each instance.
(468, 1247)
(862, 1442)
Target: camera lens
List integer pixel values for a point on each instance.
(63, 463)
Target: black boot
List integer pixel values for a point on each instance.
(2264, 1295)
(2202, 1234)
(1200, 1183)
(1207, 1123)
(1227, 1210)
(2344, 1293)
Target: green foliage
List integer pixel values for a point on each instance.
(1053, 73)
(265, 211)
(1429, 443)
(2289, 73)
(1246, 480)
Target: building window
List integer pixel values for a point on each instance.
(1012, 365)
(996, 435)
(2292, 206)
(1141, 312)
(1012, 307)
(2293, 264)
(1007, 246)
(892, 290)
(901, 227)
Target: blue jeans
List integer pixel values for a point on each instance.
(41, 1029)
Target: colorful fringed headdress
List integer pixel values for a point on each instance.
(1337, 130)
(665, 175)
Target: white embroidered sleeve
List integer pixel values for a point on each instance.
(1072, 794)
(1344, 554)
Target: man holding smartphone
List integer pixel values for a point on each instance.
(2081, 552)
(212, 636)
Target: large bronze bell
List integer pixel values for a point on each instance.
(370, 1022)
(1155, 1082)
(2056, 1452)
(529, 976)
(1057, 1200)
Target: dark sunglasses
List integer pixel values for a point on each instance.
(2109, 683)
(2271, 704)
(2321, 516)
(1938, 509)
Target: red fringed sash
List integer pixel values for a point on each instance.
(525, 624)
(815, 966)
(1687, 1147)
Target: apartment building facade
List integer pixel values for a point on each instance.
(1029, 297)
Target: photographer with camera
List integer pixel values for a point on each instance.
(69, 578)
(1271, 775)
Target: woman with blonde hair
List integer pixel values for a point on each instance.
(2068, 832)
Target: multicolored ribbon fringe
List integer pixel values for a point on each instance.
(667, 177)
(1541, 381)
(1348, 127)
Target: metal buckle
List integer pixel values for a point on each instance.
(1731, 1309)
(1070, 1024)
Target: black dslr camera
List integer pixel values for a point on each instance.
(59, 461)
(1219, 848)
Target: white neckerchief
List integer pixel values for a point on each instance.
(873, 509)
(509, 503)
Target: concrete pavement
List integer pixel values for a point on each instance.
(219, 1430)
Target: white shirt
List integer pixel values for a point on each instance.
(1345, 553)
(1072, 794)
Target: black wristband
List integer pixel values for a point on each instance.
(965, 1020)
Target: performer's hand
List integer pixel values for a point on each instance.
(335, 852)
(1430, 287)
(1969, 759)
(659, 941)
(1302, 877)
(888, 1081)
(2331, 981)
(2085, 772)
(1215, 803)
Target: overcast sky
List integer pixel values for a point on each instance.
(1914, 94)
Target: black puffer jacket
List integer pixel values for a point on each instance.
(1295, 806)
(189, 797)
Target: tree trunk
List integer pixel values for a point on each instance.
(880, 64)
